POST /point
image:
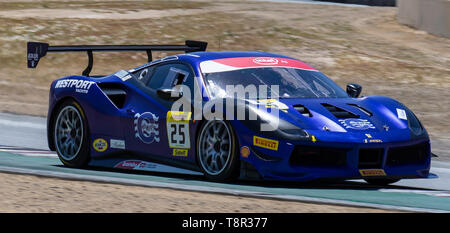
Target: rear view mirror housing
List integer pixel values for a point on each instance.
(354, 90)
(169, 94)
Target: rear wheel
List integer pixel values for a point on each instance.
(70, 135)
(217, 151)
(382, 181)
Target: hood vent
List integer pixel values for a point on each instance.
(302, 110)
(339, 112)
(367, 112)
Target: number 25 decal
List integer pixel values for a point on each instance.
(178, 129)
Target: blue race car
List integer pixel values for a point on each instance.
(129, 119)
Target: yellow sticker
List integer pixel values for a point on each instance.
(178, 129)
(245, 152)
(178, 116)
(265, 143)
(273, 103)
(373, 141)
(180, 152)
(100, 144)
(372, 172)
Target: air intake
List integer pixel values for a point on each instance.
(367, 112)
(114, 92)
(302, 110)
(406, 155)
(339, 112)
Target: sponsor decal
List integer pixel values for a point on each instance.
(358, 124)
(180, 152)
(265, 61)
(81, 86)
(135, 165)
(100, 144)
(235, 63)
(272, 103)
(117, 144)
(373, 141)
(372, 172)
(123, 75)
(178, 129)
(129, 164)
(401, 114)
(153, 167)
(245, 152)
(265, 143)
(146, 127)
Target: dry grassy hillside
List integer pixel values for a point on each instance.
(364, 45)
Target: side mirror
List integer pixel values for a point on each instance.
(353, 90)
(169, 94)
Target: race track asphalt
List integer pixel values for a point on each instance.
(24, 150)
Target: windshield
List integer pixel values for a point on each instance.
(292, 82)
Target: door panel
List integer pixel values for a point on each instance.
(152, 128)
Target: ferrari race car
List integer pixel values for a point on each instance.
(313, 128)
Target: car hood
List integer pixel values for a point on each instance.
(372, 119)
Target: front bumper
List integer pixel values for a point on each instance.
(306, 160)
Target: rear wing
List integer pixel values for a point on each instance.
(37, 50)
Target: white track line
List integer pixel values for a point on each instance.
(22, 124)
(29, 152)
(40, 155)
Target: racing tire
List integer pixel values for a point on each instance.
(217, 151)
(381, 182)
(70, 134)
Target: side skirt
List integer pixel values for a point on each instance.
(135, 161)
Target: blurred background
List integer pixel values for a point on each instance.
(349, 43)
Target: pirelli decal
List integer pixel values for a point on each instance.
(265, 143)
(372, 172)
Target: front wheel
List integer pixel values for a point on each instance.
(217, 151)
(70, 135)
(381, 181)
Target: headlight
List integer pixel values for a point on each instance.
(273, 126)
(414, 125)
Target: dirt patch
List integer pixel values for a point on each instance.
(23, 193)
(95, 14)
(365, 45)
